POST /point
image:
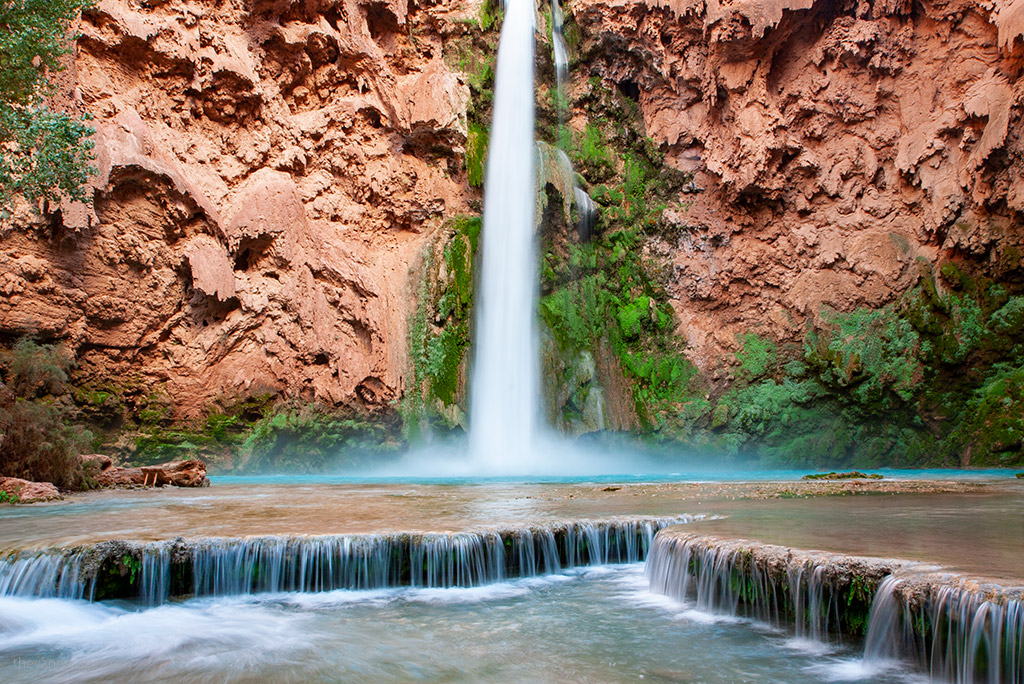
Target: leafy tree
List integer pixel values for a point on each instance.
(44, 154)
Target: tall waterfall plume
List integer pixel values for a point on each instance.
(505, 393)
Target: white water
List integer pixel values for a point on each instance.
(558, 41)
(505, 389)
(596, 625)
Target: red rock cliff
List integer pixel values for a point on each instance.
(268, 172)
(832, 145)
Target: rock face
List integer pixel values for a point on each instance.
(832, 146)
(29, 492)
(267, 174)
(270, 174)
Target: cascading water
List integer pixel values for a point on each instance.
(505, 393)
(955, 634)
(727, 581)
(231, 567)
(559, 46)
(586, 209)
(915, 615)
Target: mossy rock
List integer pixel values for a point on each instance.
(850, 475)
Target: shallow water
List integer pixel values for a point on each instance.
(979, 533)
(595, 625)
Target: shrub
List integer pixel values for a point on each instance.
(300, 438)
(37, 439)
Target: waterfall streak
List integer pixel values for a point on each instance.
(726, 580)
(957, 635)
(505, 395)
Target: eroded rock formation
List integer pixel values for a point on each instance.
(832, 145)
(25, 491)
(268, 172)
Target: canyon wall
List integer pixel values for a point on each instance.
(832, 145)
(269, 173)
(843, 255)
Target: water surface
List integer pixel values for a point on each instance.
(599, 625)
(979, 533)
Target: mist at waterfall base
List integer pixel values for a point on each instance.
(506, 435)
(548, 455)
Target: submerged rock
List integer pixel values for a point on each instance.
(26, 491)
(851, 475)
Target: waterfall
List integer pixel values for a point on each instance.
(955, 634)
(505, 393)
(560, 49)
(153, 572)
(727, 579)
(956, 630)
(586, 209)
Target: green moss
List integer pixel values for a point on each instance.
(476, 154)
(439, 331)
(487, 16)
(593, 150)
(930, 379)
(992, 427)
(871, 353)
(633, 316)
(302, 438)
(756, 357)
(1009, 320)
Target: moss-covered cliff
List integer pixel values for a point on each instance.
(767, 286)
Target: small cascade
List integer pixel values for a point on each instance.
(560, 49)
(956, 634)
(956, 630)
(586, 208)
(154, 572)
(729, 579)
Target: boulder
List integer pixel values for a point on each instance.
(100, 462)
(27, 491)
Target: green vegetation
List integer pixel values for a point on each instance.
(488, 16)
(439, 332)
(39, 438)
(300, 439)
(474, 54)
(930, 379)
(6, 498)
(261, 435)
(608, 294)
(44, 154)
(476, 154)
(849, 475)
